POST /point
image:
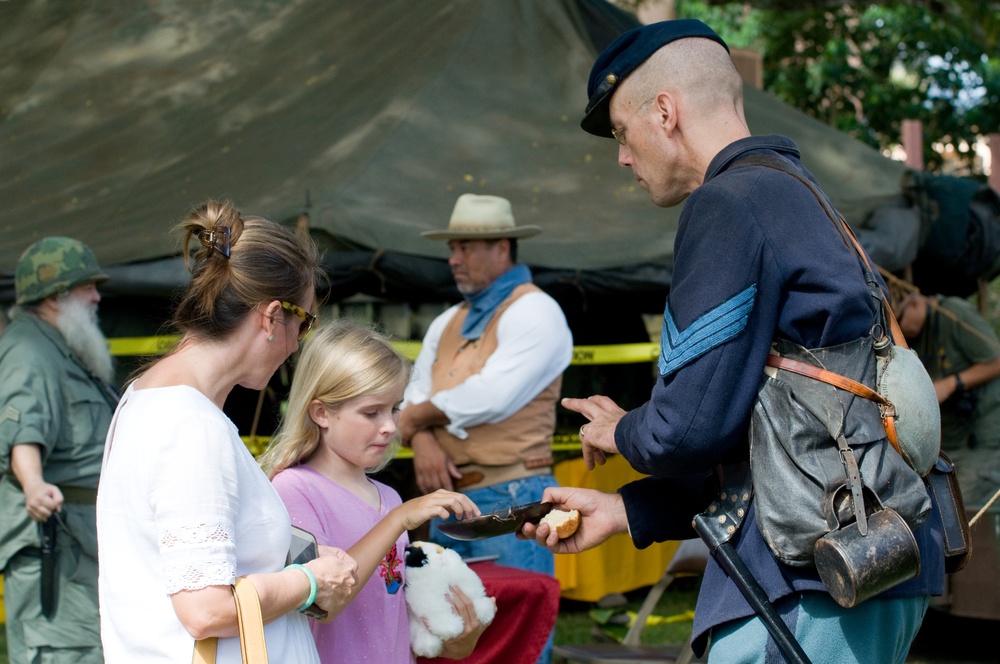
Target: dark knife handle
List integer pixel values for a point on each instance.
(47, 531)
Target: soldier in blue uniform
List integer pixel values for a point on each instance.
(756, 258)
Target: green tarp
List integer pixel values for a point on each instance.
(369, 117)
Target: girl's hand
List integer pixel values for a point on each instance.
(441, 504)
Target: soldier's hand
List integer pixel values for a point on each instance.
(597, 437)
(42, 499)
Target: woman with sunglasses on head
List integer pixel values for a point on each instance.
(183, 509)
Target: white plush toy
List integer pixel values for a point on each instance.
(430, 571)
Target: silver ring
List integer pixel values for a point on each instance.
(581, 430)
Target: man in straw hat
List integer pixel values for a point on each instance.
(56, 403)
(756, 259)
(479, 412)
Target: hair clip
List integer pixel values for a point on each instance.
(217, 238)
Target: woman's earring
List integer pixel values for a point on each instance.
(271, 338)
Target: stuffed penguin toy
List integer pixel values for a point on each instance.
(430, 571)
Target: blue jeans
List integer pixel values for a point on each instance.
(512, 552)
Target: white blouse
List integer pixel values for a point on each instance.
(182, 505)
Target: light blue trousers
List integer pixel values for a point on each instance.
(878, 631)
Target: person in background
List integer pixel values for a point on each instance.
(961, 353)
(480, 409)
(56, 401)
(183, 509)
(340, 426)
(756, 259)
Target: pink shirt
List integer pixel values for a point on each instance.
(374, 628)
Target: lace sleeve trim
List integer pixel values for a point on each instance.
(199, 555)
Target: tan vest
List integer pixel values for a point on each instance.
(525, 436)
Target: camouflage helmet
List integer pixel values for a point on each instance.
(54, 264)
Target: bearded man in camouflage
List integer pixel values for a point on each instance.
(56, 403)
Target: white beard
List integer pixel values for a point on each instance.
(77, 320)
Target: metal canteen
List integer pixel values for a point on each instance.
(904, 382)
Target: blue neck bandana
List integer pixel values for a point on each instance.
(484, 304)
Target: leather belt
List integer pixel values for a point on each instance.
(78, 495)
(476, 476)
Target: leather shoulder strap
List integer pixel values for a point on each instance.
(251, 623)
(779, 164)
(204, 651)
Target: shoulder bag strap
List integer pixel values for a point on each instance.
(251, 623)
(886, 409)
(779, 164)
(204, 651)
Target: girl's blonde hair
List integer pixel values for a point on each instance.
(340, 361)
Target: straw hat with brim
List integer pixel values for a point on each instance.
(482, 218)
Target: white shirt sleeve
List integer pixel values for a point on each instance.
(534, 346)
(195, 497)
(419, 388)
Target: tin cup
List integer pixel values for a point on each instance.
(855, 567)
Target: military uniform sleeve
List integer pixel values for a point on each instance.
(718, 325)
(649, 521)
(971, 334)
(30, 406)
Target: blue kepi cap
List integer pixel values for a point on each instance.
(626, 53)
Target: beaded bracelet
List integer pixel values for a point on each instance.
(313, 587)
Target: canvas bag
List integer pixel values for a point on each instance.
(817, 451)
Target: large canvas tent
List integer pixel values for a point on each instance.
(367, 118)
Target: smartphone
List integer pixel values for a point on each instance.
(303, 549)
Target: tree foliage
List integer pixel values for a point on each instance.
(865, 68)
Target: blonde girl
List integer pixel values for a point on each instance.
(339, 427)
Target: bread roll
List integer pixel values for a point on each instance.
(563, 522)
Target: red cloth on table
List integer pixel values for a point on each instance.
(527, 606)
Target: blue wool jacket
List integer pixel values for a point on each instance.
(755, 258)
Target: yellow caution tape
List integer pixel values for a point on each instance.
(684, 616)
(123, 346)
(616, 354)
(409, 349)
(582, 355)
